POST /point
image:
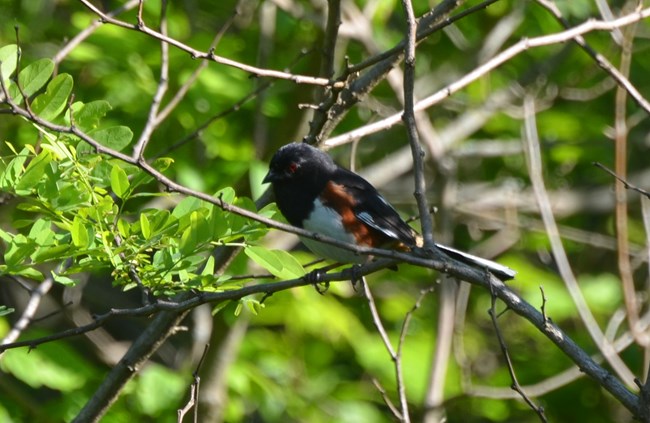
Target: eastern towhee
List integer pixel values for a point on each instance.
(316, 194)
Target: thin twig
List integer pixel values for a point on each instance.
(543, 307)
(618, 76)
(426, 27)
(183, 89)
(534, 161)
(194, 301)
(194, 391)
(409, 120)
(88, 31)
(625, 183)
(554, 382)
(645, 213)
(197, 54)
(435, 394)
(511, 369)
(163, 83)
(29, 311)
(357, 86)
(495, 62)
(395, 356)
(384, 395)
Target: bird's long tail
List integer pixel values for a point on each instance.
(500, 271)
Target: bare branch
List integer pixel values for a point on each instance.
(28, 313)
(409, 120)
(194, 391)
(87, 32)
(625, 183)
(196, 54)
(495, 62)
(395, 356)
(511, 369)
(163, 82)
(618, 76)
(533, 156)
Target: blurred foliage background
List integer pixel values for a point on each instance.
(316, 358)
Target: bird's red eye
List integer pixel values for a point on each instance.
(292, 167)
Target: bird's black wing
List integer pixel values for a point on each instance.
(373, 209)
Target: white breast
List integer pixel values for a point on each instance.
(327, 221)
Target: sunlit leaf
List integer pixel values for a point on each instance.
(12, 173)
(79, 233)
(278, 262)
(145, 227)
(63, 280)
(50, 104)
(87, 116)
(38, 368)
(18, 250)
(208, 268)
(32, 78)
(119, 181)
(4, 310)
(34, 172)
(116, 137)
(8, 57)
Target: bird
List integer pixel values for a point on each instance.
(314, 193)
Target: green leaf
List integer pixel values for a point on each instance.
(79, 233)
(124, 228)
(145, 226)
(14, 170)
(253, 305)
(218, 223)
(63, 280)
(18, 250)
(34, 172)
(139, 178)
(208, 269)
(4, 310)
(256, 172)
(196, 234)
(158, 387)
(41, 232)
(161, 164)
(87, 116)
(227, 195)
(119, 181)
(8, 57)
(51, 103)
(279, 263)
(32, 78)
(116, 137)
(28, 272)
(43, 254)
(38, 368)
(5, 236)
(186, 206)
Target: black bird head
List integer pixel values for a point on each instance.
(299, 161)
(298, 173)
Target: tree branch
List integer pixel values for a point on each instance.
(210, 55)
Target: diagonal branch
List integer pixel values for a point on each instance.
(210, 55)
(533, 158)
(495, 62)
(163, 83)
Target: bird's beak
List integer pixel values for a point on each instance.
(270, 177)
